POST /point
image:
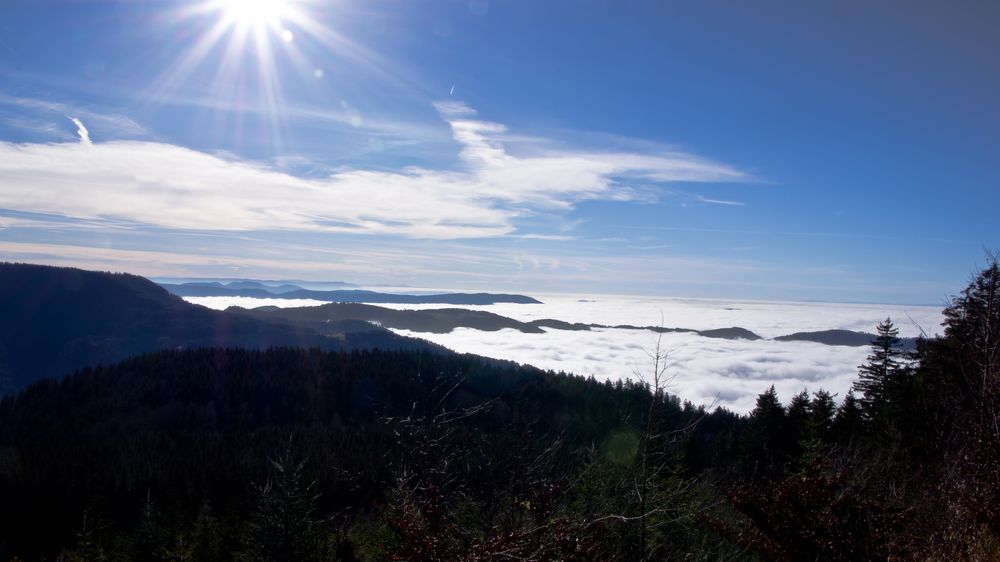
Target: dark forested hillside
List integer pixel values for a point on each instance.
(306, 454)
(156, 439)
(56, 320)
(441, 320)
(907, 469)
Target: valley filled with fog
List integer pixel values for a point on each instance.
(726, 372)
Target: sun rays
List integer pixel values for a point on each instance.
(257, 13)
(241, 56)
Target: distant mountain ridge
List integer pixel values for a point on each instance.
(288, 291)
(56, 320)
(444, 320)
(241, 282)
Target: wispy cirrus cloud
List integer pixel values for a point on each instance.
(485, 195)
(14, 112)
(721, 202)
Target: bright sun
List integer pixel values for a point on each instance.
(256, 13)
(256, 47)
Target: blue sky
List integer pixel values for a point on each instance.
(840, 150)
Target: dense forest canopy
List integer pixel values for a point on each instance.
(291, 453)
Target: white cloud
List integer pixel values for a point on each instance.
(767, 319)
(166, 263)
(222, 303)
(704, 370)
(554, 237)
(82, 131)
(175, 187)
(448, 264)
(110, 124)
(721, 202)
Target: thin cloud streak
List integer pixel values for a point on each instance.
(721, 202)
(857, 235)
(163, 263)
(109, 123)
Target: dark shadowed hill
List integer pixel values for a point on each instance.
(326, 318)
(841, 337)
(441, 320)
(55, 320)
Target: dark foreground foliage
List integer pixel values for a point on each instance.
(913, 470)
(296, 454)
(418, 456)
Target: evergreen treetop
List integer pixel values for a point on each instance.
(883, 364)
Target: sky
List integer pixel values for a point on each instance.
(834, 150)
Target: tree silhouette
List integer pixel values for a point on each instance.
(849, 419)
(880, 370)
(283, 528)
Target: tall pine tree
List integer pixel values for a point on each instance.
(883, 365)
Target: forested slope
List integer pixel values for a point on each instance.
(56, 320)
(297, 454)
(185, 430)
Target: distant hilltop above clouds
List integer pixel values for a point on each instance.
(258, 289)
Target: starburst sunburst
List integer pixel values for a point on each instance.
(256, 13)
(246, 53)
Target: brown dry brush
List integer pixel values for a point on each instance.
(439, 515)
(968, 493)
(813, 515)
(429, 526)
(425, 533)
(969, 475)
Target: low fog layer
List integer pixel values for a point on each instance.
(767, 319)
(704, 370)
(222, 303)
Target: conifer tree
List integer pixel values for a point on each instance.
(849, 419)
(972, 328)
(814, 420)
(768, 443)
(283, 528)
(768, 409)
(150, 536)
(822, 410)
(206, 540)
(882, 367)
(798, 414)
(967, 362)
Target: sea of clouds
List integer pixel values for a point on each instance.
(708, 371)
